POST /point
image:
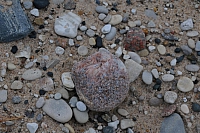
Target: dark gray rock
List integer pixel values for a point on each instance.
(16, 99)
(195, 107)
(172, 124)
(14, 24)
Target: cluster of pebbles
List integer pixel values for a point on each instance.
(73, 72)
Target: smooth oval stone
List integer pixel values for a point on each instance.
(185, 84)
(195, 107)
(134, 56)
(155, 73)
(123, 112)
(197, 47)
(32, 74)
(3, 95)
(150, 13)
(147, 77)
(154, 101)
(82, 50)
(170, 97)
(106, 29)
(161, 49)
(185, 109)
(39, 4)
(115, 19)
(81, 117)
(172, 124)
(59, 110)
(40, 102)
(101, 9)
(191, 43)
(186, 50)
(16, 85)
(126, 123)
(192, 33)
(81, 106)
(110, 36)
(192, 67)
(167, 77)
(107, 19)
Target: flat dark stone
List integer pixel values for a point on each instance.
(14, 24)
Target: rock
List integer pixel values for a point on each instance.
(59, 110)
(167, 77)
(108, 129)
(29, 65)
(184, 108)
(14, 49)
(135, 40)
(186, 50)
(17, 85)
(90, 130)
(9, 123)
(69, 5)
(173, 62)
(101, 9)
(27, 4)
(197, 47)
(81, 117)
(106, 29)
(118, 53)
(169, 37)
(138, 22)
(154, 101)
(131, 24)
(115, 19)
(67, 80)
(16, 99)
(134, 56)
(155, 73)
(133, 11)
(46, 83)
(187, 25)
(161, 49)
(32, 127)
(151, 24)
(57, 96)
(172, 124)
(195, 107)
(126, 123)
(83, 28)
(14, 23)
(185, 84)
(99, 42)
(102, 16)
(122, 112)
(92, 41)
(150, 13)
(147, 77)
(67, 25)
(167, 111)
(3, 96)
(32, 74)
(107, 19)
(89, 71)
(26, 52)
(90, 33)
(133, 69)
(110, 36)
(82, 50)
(64, 93)
(71, 42)
(151, 48)
(143, 53)
(35, 12)
(40, 4)
(192, 33)
(129, 130)
(39, 117)
(73, 101)
(57, 1)
(81, 106)
(113, 124)
(192, 68)
(170, 97)
(40, 102)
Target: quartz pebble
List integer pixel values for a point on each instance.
(126, 123)
(46, 83)
(106, 29)
(192, 68)
(80, 116)
(67, 80)
(115, 19)
(170, 97)
(32, 127)
(147, 77)
(82, 50)
(118, 52)
(155, 73)
(35, 12)
(161, 49)
(187, 25)
(184, 108)
(59, 50)
(151, 24)
(81, 106)
(92, 41)
(185, 84)
(167, 77)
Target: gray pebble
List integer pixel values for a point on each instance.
(90, 33)
(101, 9)
(9, 123)
(125, 18)
(154, 101)
(83, 28)
(73, 101)
(101, 16)
(82, 50)
(192, 67)
(110, 36)
(57, 96)
(81, 106)
(170, 97)
(167, 31)
(107, 19)
(151, 24)
(16, 99)
(186, 50)
(69, 5)
(141, 98)
(40, 102)
(150, 13)
(27, 4)
(138, 22)
(147, 77)
(134, 56)
(122, 31)
(197, 47)
(3, 95)
(159, 95)
(39, 117)
(187, 25)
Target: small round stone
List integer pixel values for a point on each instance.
(161, 49)
(157, 41)
(185, 84)
(82, 50)
(57, 96)
(177, 50)
(195, 107)
(154, 101)
(14, 49)
(184, 108)
(170, 97)
(39, 4)
(81, 106)
(50, 74)
(123, 112)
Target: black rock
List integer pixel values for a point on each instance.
(156, 86)
(14, 49)
(41, 26)
(32, 34)
(42, 92)
(69, 5)
(157, 41)
(192, 57)
(195, 107)
(40, 4)
(26, 102)
(50, 74)
(14, 23)
(98, 2)
(158, 81)
(128, 2)
(179, 59)
(177, 50)
(29, 114)
(117, 41)
(99, 42)
(198, 53)
(108, 129)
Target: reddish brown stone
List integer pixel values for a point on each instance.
(135, 40)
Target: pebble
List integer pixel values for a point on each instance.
(67, 25)
(151, 48)
(81, 117)
(64, 93)
(129, 130)
(133, 11)
(101, 9)
(150, 13)
(81, 106)
(173, 62)
(39, 117)
(17, 85)
(73, 101)
(3, 95)
(57, 96)
(197, 47)
(107, 19)
(27, 4)
(67, 80)
(167, 31)
(40, 102)
(134, 56)
(170, 97)
(40, 4)
(32, 127)
(90, 130)
(187, 25)
(113, 124)
(125, 17)
(185, 109)
(102, 16)
(185, 84)
(192, 33)
(106, 29)
(191, 43)
(131, 24)
(133, 69)
(16, 99)
(92, 41)
(108, 129)
(147, 77)
(172, 124)
(192, 68)
(167, 77)
(125, 57)
(59, 50)
(82, 50)
(138, 22)
(154, 101)
(99, 42)
(69, 5)
(110, 36)
(126, 123)
(161, 49)
(143, 53)
(151, 24)
(71, 42)
(9, 123)
(186, 50)
(46, 83)
(155, 73)
(122, 112)
(35, 12)
(14, 49)
(195, 107)
(118, 52)
(59, 110)
(115, 19)
(90, 33)
(83, 28)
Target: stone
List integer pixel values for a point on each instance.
(185, 109)
(150, 13)
(3, 96)
(102, 16)
(192, 67)
(115, 19)
(29, 65)
(64, 93)
(186, 50)
(173, 62)
(122, 112)
(113, 124)
(32, 127)
(110, 36)
(39, 117)
(195, 107)
(40, 4)
(59, 110)
(135, 40)
(187, 25)
(67, 80)
(82, 50)
(161, 49)
(32, 74)
(172, 124)
(9, 123)
(151, 24)
(126, 123)
(131, 24)
(16, 85)
(129, 130)
(197, 47)
(52, 63)
(14, 23)
(83, 28)
(155, 73)
(151, 48)
(138, 22)
(154, 101)
(14, 49)
(16, 99)
(170, 97)
(147, 77)
(185, 84)
(90, 33)
(81, 117)
(167, 111)
(133, 11)
(57, 96)
(69, 5)
(107, 19)
(81, 106)
(108, 129)
(71, 42)
(67, 25)
(118, 52)
(167, 77)
(134, 56)
(133, 69)
(35, 12)
(92, 41)
(101, 9)
(27, 4)
(73, 101)
(40, 102)
(192, 33)
(106, 29)
(46, 83)
(26, 52)
(90, 130)
(87, 72)
(99, 42)
(143, 53)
